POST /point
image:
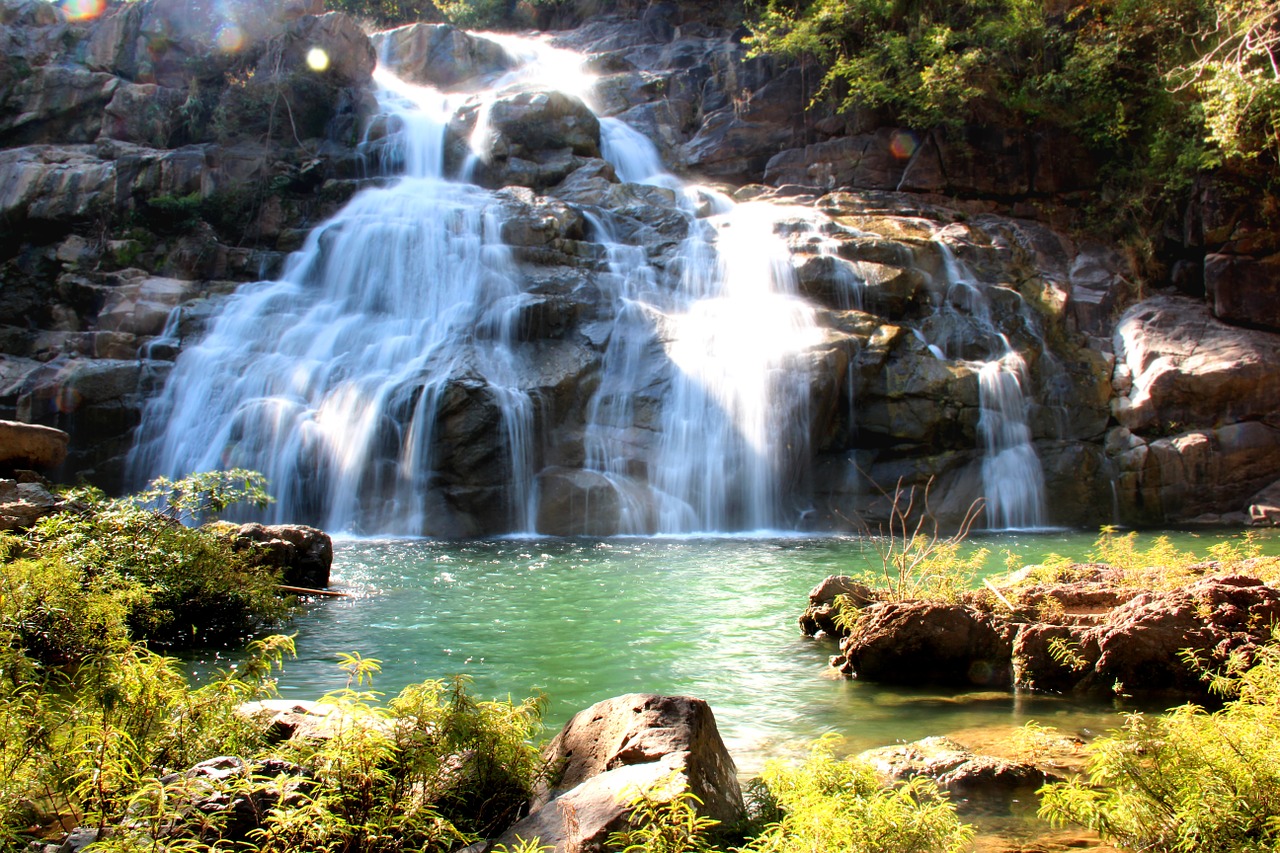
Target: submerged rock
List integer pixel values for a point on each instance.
(970, 779)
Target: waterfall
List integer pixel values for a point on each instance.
(341, 381)
(330, 379)
(1012, 476)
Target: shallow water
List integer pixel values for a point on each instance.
(583, 620)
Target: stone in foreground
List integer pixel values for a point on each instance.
(621, 746)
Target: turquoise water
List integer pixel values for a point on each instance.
(583, 620)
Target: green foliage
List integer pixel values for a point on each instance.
(133, 560)
(1159, 90)
(664, 821)
(388, 13)
(826, 803)
(475, 14)
(432, 770)
(833, 804)
(916, 560)
(92, 751)
(1188, 780)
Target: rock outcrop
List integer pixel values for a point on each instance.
(1095, 633)
(920, 642)
(303, 554)
(616, 749)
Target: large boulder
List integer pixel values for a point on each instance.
(31, 446)
(925, 642)
(1176, 364)
(303, 554)
(621, 747)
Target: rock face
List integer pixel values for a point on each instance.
(1197, 432)
(618, 748)
(158, 157)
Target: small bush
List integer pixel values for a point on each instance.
(1189, 780)
(173, 584)
(824, 804)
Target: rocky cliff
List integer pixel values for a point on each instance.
(159, 156)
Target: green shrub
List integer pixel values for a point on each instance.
(828, 803)
(1188, 780)
(174, 585)
(824, 804)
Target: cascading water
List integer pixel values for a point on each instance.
(332, 381)
(1012, 476)
(329, 380)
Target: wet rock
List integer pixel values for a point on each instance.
(303, 554)
(575, 502)
(922, 642)
(820, 615)
(441, 55)
(623, 745)
(969, 778)
(24, 445)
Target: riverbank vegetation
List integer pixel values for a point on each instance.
(1188, 780)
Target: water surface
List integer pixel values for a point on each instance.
(583, 620)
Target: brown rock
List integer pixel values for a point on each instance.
(820, 615)
(25, 445)
(305, 554)
(923, 642)
(618, 748)
(1141, 644)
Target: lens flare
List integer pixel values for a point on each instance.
(903, 144)
(317, 59)
(83, 10)
(230, 39)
